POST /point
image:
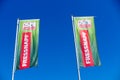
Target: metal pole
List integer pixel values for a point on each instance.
(78, 67)
(14, 63)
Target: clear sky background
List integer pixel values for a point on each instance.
(57, 59)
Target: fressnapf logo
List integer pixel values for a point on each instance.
(29, 26)
(84, 23)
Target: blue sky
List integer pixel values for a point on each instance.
(57, 60)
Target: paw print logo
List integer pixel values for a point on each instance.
(84, 23)
(29, 26)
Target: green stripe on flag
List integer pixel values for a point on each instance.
(31, 26)
(86, 23)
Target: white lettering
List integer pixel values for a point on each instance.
(86, 50)
(25, 54)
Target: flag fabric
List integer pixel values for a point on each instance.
(85, 40)
(27, 44)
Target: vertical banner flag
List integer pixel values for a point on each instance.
(27, 44)
(85, 40)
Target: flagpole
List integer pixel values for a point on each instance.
(78, 67)
(14, 63)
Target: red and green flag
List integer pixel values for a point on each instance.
(26, 48)
(85, 41)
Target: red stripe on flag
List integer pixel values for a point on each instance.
(87, 57)
(25, 50)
